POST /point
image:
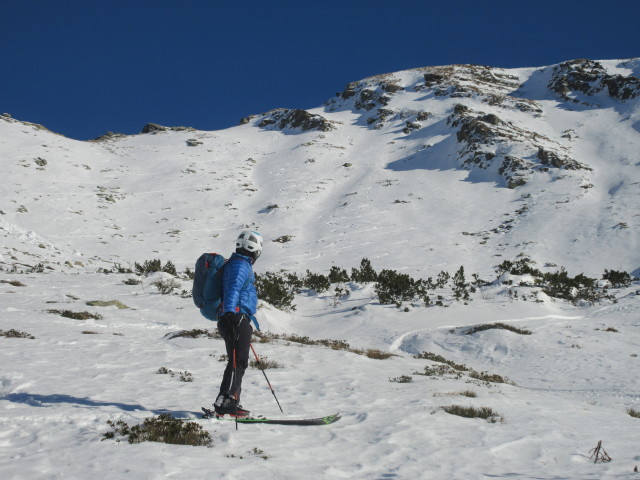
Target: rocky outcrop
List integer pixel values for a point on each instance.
(7, 117)
(413, 120)
(468, 80)
(371, 93)
(487, 141)
(108, 136)
(297, 119)
(493, 86)
(155, 128)
(590, 78)
(367, 97)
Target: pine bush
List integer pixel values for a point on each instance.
(393, 288)
(365, 274)
(318, 282)
(617, 279)
(276, 290)
(163, 428)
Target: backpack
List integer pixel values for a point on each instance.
(207, 284)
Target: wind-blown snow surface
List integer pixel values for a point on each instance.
(399, 199)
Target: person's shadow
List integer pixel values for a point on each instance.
(36, 400)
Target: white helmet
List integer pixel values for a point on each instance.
(251, 242)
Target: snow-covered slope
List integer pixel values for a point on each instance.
(419, 171)
(399, 167)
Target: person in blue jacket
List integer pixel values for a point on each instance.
(239, 304)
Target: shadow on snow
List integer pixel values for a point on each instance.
(37, 400)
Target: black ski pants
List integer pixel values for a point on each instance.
(237, 339)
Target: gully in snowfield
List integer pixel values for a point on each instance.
(239, 303)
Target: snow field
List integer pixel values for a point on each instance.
(58, 391)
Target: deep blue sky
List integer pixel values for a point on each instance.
(84, 67)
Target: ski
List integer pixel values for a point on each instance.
(327, 420)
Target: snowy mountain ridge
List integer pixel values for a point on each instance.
(532, 150)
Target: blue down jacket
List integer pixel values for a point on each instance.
(238, 292)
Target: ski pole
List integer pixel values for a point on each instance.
(234, 383)
(235, 373)
(265, 376)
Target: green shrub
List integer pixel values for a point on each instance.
(333, 344)
(460, 285)
(283, 239)
(182, 376)
(373, 353)
(617, 279)
(440, 359)
(294, 282)
(338, 275)
(365, 274)
(497, 325)
(519, 267)
(195, 333)
(317, 282)
(485, 413)
(442, 280)
(258, 452)
(276, 290)
(338, 293)
(264, 364)
(13, 283)
(76, 315)
(15, 334)
(561, 285)
(439, 371)
(151, 266)
(468, 393)
(394, 288)
(39, 268)
(120, 269)
(402, 379)
(266, 337)
(166, 286)
(163, 428)
(633, 412)
(488, 377)
(478, 282)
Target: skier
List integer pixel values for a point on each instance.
(238, 309)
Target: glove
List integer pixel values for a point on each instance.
(232, 319)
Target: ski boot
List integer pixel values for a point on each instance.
(226, 405)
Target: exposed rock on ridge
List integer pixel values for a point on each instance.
(284, 118)
(155, 128)
(516, 149)
(486, 140)
(590, 78)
